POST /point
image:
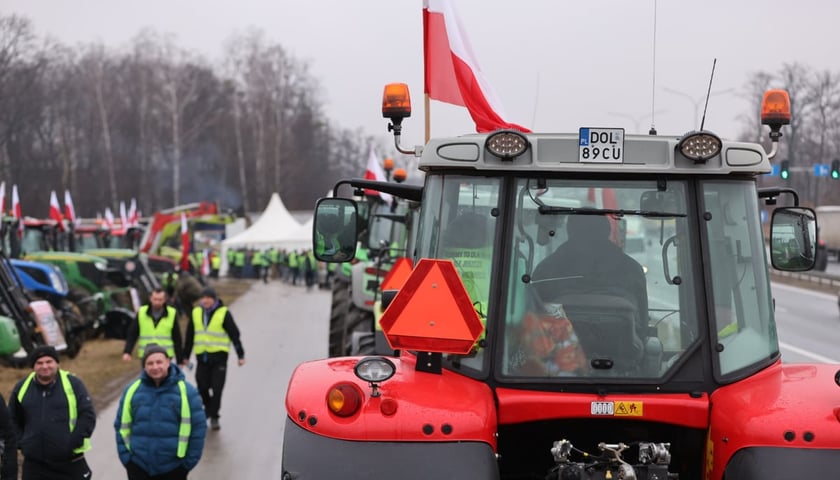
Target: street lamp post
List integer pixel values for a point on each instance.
(697, 101)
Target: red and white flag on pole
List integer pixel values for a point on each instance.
(374, 171)
(2, 200)
(452, 74)
(16, 211)
(205, 263)
(132, 214)
(185, 244)
(55, 211)
(123, 217)
(108, 221)
(69, 209)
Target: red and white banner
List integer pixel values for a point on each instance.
(452, 74)
(55, 211)
(16, 210)
(374, 171)
(69, 209)
(185, 244)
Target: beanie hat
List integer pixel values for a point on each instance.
(43, 351)
(208, 292)
(153, 348)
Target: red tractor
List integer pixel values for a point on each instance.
(586, 305)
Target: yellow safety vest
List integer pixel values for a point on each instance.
(214, 338)
(184, 429)
(72, 406)
(160, 334)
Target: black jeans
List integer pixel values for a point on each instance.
(70, 470)
(136, 473)
(210, 380)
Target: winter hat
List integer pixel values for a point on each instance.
(208, 292)
(153, 348)
(43, 351)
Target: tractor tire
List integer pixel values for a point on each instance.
(73, 327)
(90, 310)
(358, 338)
(339, 314)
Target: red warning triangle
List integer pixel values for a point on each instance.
(432, 312)
(398, 275)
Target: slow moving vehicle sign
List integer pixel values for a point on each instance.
(601, 145)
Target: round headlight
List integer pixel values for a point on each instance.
(375, 369)
(507, 144)
(130, 266)
(700, 146)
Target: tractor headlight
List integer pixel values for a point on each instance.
(375, 369)
(700, 146)
(507, 144)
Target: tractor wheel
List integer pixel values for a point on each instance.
(89, 308)
(339, 316)
(73, 327)
(359, 327)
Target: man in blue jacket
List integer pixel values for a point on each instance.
(160, 424)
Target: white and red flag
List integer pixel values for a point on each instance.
(133, 220)
(185, 244)
(16, 210)
(108, 221)
(2, 200)
(452, 74)
(69, 209)
(205, 263)
(374, 171)
(55, 211)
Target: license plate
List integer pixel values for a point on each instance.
(601, 145)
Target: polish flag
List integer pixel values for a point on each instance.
(452, 74)
(374, 171)
(55, 212)
(132, 214)
(108, 222)
(205, 263)
(2, 200)
(185, 244)
(16, 211)
(69, 209)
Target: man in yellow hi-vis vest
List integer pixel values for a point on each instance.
(156, 322)
(54, 417)
(211, 331)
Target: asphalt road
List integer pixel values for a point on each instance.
(281, 326)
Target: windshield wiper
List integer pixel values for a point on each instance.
(549, 210)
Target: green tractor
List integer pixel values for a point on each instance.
(386, 234)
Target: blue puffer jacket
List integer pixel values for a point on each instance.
(156, 417)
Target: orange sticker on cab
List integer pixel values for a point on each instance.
(621, 408)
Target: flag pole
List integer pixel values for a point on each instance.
(426, 105)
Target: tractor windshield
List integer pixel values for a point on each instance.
(605, 279)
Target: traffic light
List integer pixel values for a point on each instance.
(835, 169)
(784, 169)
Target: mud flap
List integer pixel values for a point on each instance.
(307, 455)
(768, 463)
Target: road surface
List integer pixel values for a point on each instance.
(281, 326)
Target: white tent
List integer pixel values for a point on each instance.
(275, 227)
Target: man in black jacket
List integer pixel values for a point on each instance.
(211, 330)
(54, 417)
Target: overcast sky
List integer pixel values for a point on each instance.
(556, 65)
